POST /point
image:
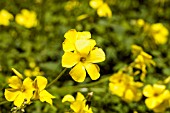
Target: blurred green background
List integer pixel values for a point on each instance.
(43, 45)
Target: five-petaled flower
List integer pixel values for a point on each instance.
(157, 97)
(78, 105)
(5, 16)
(26, 18)
(19, 91)
(40, 93)
(82, 56)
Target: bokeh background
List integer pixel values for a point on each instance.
(41, 47)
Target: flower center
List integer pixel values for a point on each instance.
(22, 89)
(82, 59)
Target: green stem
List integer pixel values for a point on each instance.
(57, 77)
(3, 102)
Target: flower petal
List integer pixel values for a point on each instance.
(46, 96)
(19, 99)
(78, 72)
(152, 102)
(92, 70)
(69, 59)
(80, 96)
(68, 98)
(84, 35)
(159, 88)
(84, 46)
(17, 73)
(15, 82)
(77, 106)
(68, 45)
(95, 3)
(71, 34)
(28, 84)
(41, 82)
(11, 94)
(96, 55)
(148, 91)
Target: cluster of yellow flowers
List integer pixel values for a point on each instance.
(157, 31)
(22, 91)
(81, 54)
(124, 86)
(141, 61)
(103, 10)
(26, 18)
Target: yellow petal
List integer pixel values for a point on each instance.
(84, 35)
(69, 59)
(15, 82)
(41, 82)
(68, 98)
(76, 106)
(159, 88)
(117, 89)
(46, 96)
(80, 96)
(19, 99)
(71, 34)
(96, 55)
(28, 84)
(78, 72)
(17, 73)
(84, 46)
(104, 11)
(92, 70)
(129, 95)
(148, 91)
(11, 94)
(68, 45)
(152, 102)
(95, 3)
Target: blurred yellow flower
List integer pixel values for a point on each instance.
(125, 87)
(40, 93)
(5, 16)
(157, 97)
(103, 10)
(78, 105)
(80, 54)
(19, 91)
(26, 18)
(159, 33)
(141, 61)
(34, 71)
(140, 22)
(71, 4)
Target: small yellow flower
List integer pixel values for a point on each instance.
(40, 93)
(5, 16)
(140, 22)
(159, 33)
(157, 97)
(103, 10)
(19, 91)
(26, 18)
(125, 87)
(81, 54)
(78, 105)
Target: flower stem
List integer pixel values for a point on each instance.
(63, 71)
(3, 102)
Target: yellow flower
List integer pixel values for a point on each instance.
(19, 91)
(40, 93)
(140, 22)
(5, 16)
(103, 10)
(157, 97)
(72, 36)
(26, 18)
(81, 53)
(78, 105)
(125, 87)
(159, 33)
